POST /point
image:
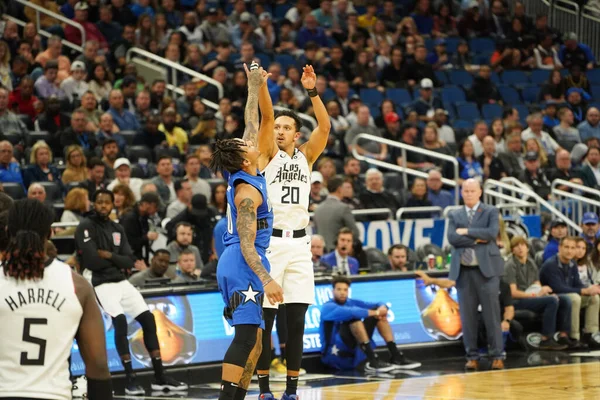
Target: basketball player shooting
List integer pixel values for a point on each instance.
(243, 269)
(45, 306)
(287, 171)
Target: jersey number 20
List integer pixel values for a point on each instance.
(291, 195)
(25, 360)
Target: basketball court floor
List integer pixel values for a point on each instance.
(528, 376)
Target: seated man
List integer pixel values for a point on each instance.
(317, 247)
(348, 323)
(183, 241)
(398, 258)
(186, 263)
(339, 259)
(558, 230)
(157, 270)
(521, 273)
(560, 272)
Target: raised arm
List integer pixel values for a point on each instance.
(247, 199)
(266, 133)
(318, 139)
(251, 114)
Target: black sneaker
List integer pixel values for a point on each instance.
(379, 366)
(404, 363)
(550, 344)
(168, 383)
(133, 388)
(573, 344)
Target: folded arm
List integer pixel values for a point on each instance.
(454, 238)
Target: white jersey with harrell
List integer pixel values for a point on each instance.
(38, 321)
(288, 186)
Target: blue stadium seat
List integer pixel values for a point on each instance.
(595, 92)
(442, 77)
(494, 77)
(523, 112)
(399, 96)
(594, 76)
(460, 77)
(491, 111)
(530, 93)
(371, 96)
(265, 60)
(375, 111)
(539, 76)
(281, 10)
(285, 60)
(482, 59)
(429, 44)
(453, 94)
(329, 94)
(514, 77)
(482, 45)
(452, 44)
(509, 95)
(468, 111)
(462, 124)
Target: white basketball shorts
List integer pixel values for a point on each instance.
(292, 268)
(120, 298)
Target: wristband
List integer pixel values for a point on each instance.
(267, 282)
(99, 389)
(312, 92)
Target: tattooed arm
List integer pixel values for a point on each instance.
(247, 200)
(255, 81)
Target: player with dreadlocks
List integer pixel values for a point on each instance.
(44, 307)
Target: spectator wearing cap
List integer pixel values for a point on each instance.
(577, 101)
(316, 186)
(122, 168)
(124, 119)
(369, 148)
(535, 124)
(266, 32)
(47, 85)
(111, 30)
(175, 135)
(392, 126)
(394, 74)
(574, 53)
(75, 85)
(73, 34)
(484, 91)
(419, 69)
(590, 128)
(312, 32)
(244, 32)
(558, 231)
(435, 193)
(214, 31)
(445, 131)
(534, 176)
(590, 229)
(426, 104)
(439, 57)
(108, 130)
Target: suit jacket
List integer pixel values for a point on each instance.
(332, 215)
(484, 226)
(331, 259)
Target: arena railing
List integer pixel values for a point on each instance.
(414, 210)
(589, 32)
(578, 201)
(403, 169)
(367, 211)
(565, 16)
(41, 10)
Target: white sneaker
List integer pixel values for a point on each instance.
(79, 389)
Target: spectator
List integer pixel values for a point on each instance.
(40, 168)
(311, 32)
(497, 133)
(183, 191)
(77, 134)
(316, 185)
(339, 124)
(75, 86)
(415, 160)
(192, 171)
(89, 106)
(214, 31)
(398, 259)
(9, 122)
(317, 248)
(576, 101)
(348, 196)
(36, 191)
(340, 260)
(533, 145)
(73, 34)
(76, 170)
(577, 79)
(375, 196)
(472, 24)
(561, 274)
(327, 169)
(122, 14)
(137, 227)
(164, 179)
(431, 141)
(558, 230)
(574, 53)
(351, 172)
(564, 171)
(204, 153)
(99, 83)
(499, 26)
(394, 75)
(244, 32)
(419, 69)
(77, 203)
(184, 232)
(418, 198)
(149, 135)
(436, 195)
(332, 215)
(589, 225)
(186, 264)
(26, 102)
(119, 48)
(157, 270)
(546, 56)
(53, 52)
(566, 135)
(110, 153)
(337, 70)
(122, 168)
(445, 131)
(96, 180)
(554, 89)
(534, 176)
(479, 133)
(468, 166)
(111, 30)
(108, 131)
(124, 119)
(492, 166)
(512, 158)
(9, 169)
(439, 58)
(427, 103)
(590, 128)
(365, 147)
(47, 85)
(590, 172)
(174, 134)
(124, 201)
(534, 131)
(505, 57)
(484, 91)
(218, 198)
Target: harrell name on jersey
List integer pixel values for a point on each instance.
(288, 186)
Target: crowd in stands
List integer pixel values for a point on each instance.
(504, 92)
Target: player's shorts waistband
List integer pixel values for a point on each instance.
(284, 233)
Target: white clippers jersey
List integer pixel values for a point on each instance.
(38, 321)
(288, 186)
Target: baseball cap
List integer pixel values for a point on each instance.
(354, 97)
(212, 11)
(245, 17)
(265, 15)
(78, 65)
(531, 156)
(316, 177)
(426, 83)
(81, 6)
(391, 117)
(199, 206)
(570, 36)
(119, 162)
(557, 222)
(473, 4)
(441, 111)
(590, 218)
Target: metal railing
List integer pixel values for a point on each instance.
(535, 7)
(58, 17)
(589, 32)
(175, 67)
(368, 211)
(404, 169)
(565, 16)
(574, 204)
(413, 210)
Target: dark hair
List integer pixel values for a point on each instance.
(228, 155)
(397, 247)
(4, 238)
(103, 191)
(163, 157)
(51, 65)
(154, 82)
(568, 238)
(6, 202)
(292, 115)
(340, 279)
(150, 198)
(162, 251)
(213, 194)
(178, 185)
(345, 231)
(595, 256)
(334, 183)
(461, 145)
(29, 226)
(185, 252)
(95, 162)
(107, 142)
(184, 224)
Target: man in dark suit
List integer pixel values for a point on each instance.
(477, 267)
(339, 259)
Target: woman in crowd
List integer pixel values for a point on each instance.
(468, 166)
(554, 89)
(326, 167)
(76, 170)
(364, 70)
(418, 198)
(39, 169)
(535, 146)
(498, 134)
(100, 83)
(77, 204)
(588, 272)
(218, 199)
(124, 201)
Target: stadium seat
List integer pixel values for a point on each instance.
(160, 151)
(425, 250)
(514, 77)
(491, 111)
(452, 44)
(453, 94)
(26, 119)
(128, 135)
(539, 76)
(530, 93)
(138, 172)
(139, 154)
(399, 96)
(12, 137)
(285, 60)
(495, 78)
(35, 136)
(482, 45)
(461, 124)
(376, 259)
(392, 181)
(14, 190)
(371, 97)
(430, 44)
(265, 60)
(482, 59)
(595, 92)
(523, 112)
(460, 77)
(509, 95)
(442, 77)
(468, 111)
(593, 76)
(461, 134)
(375, 111)
(281, 9)
(53, 191)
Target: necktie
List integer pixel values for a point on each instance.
(468, 255)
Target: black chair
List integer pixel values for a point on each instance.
(192, 148)
(160, 151)
(392, 181)
(139, 154)
(72, 185)
(535, 245)
(14, 190)
(376, 258)
(35, 136)
(26, 119)
(539, 258)
(53, 191)
(12, 137)
(425, 250)
(128, 135)
(138, 172)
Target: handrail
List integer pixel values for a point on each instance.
(61, 18)
(175, 66)
(515, 200)
(64, 224)
(403, 169)
(577, 197)
(366, 211)
(449, 209)
(412, 210)
(302, 116)
(576, 186)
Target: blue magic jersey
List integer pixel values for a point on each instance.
(264, 212)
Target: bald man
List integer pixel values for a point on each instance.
(436, 195)
(564, 170)
(492, 166)
(477, 267)
(590, 128)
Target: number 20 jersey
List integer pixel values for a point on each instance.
(288, 183)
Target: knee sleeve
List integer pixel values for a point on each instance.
(241, 346)
(121, 342)
(146, 320)
(295, 343)
(282, 328)
(264, 361)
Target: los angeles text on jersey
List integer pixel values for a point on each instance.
(32, 296)
(290, 172)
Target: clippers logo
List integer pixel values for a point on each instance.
(289, 173)
(288, 234)
(116, 238)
